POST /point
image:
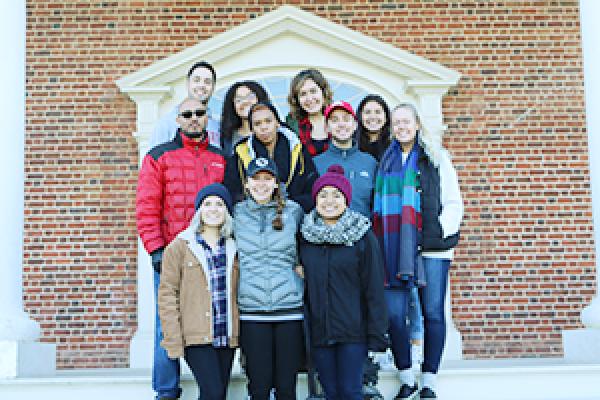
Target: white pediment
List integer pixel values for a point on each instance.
(297, 38)
(283, 42)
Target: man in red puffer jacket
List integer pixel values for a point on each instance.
(171, 175)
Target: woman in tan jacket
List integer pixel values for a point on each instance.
(198, 291)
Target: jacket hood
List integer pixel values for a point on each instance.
(189, 233)
(292, 138)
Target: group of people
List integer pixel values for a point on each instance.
(310, 234)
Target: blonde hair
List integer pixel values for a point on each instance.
(430, 140)
(226, 230)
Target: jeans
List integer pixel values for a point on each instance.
(165, 371)
(340, 369)
(432, 298)
(211, 367)
(415, 316)
(274, 352)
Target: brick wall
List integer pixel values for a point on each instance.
(525, 266)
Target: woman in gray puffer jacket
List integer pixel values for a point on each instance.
(270, 294)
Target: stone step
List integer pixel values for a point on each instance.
(460, 380)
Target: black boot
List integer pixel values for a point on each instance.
(407, 392)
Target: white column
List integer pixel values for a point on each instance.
(20, 353)
(591, 32)
(584, 344)
(140, 349)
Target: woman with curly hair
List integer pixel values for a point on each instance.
(309, 95)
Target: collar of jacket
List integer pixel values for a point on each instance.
(291, 137)
(188, 235)
(343, 153)
(190, 143)
(254, 206)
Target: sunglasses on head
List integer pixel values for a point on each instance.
(188, 114)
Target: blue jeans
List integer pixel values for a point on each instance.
(340, 369)
(432, 298)
(165, 371)
(415, 316)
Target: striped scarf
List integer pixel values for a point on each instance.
(397, 217)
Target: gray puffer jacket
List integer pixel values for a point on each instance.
(267, 257)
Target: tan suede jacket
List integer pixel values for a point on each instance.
(184, 295)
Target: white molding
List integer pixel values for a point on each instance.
(289, 20)
(590, 31)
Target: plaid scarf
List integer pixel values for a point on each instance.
(217, 267)
(397, 217)
(304, 130)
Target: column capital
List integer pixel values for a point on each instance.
(147, 101)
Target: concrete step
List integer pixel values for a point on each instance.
(461, 380)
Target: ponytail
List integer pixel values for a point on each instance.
(278, 220)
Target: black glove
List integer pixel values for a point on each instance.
(157, 258)
(378, 343)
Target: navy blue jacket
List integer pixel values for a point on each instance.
(345, 300)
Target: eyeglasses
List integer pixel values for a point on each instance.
(188, 114)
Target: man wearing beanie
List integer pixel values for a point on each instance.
(170, 177)
(359, 166)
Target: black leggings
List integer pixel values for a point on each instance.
(274, 352)
(211, 367)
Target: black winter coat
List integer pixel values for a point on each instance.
(431, 207)
(345, 296)
(303, 176)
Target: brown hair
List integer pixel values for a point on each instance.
(278, 220)
(295, 108)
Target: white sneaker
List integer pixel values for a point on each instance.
(416, 354)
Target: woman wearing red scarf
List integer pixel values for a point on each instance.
(309, 95)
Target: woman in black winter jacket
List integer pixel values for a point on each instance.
(345, 302)
(272, 139)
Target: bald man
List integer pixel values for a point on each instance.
(171, 175)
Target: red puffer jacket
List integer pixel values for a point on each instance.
(170, 177)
